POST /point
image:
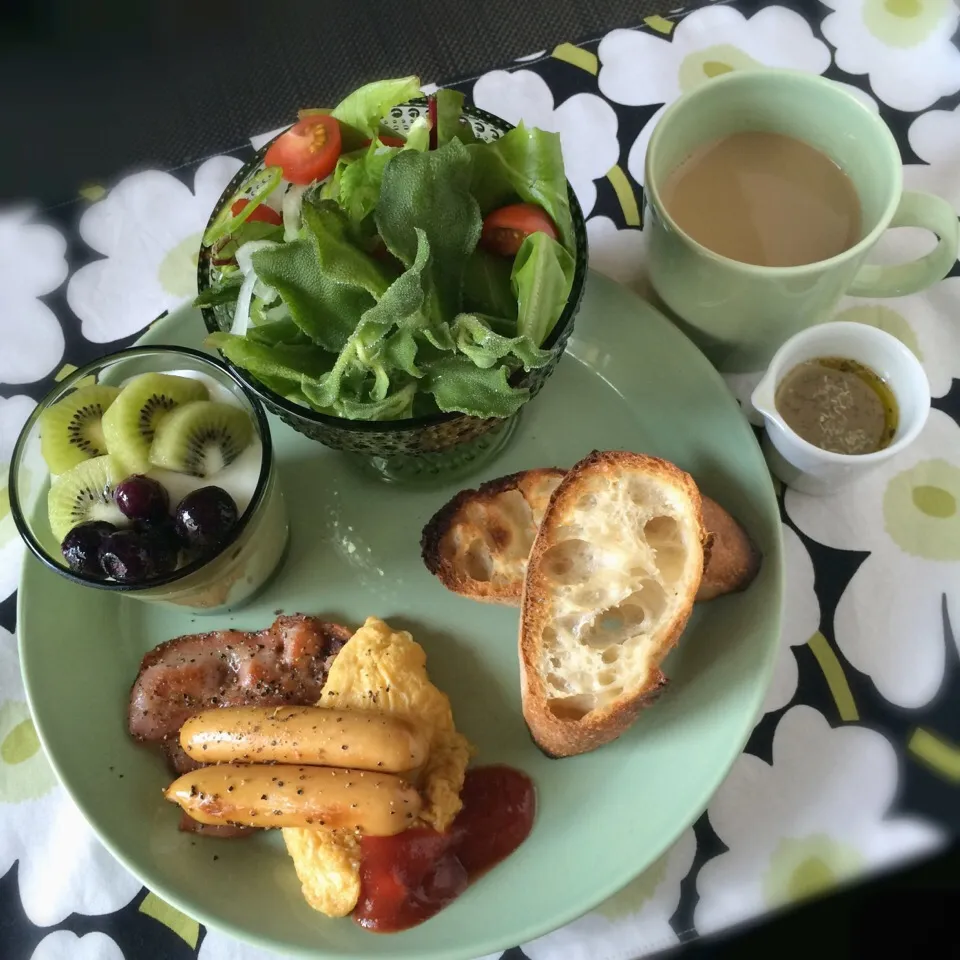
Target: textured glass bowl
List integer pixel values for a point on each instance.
(226, 579)
(418, 448)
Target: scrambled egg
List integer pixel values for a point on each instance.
(384, 670)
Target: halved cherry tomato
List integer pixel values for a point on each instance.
(308, 151)
(504, 230)
(262, 212)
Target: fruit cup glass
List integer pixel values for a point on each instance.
(254, 547)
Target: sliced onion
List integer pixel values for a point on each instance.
(274, 199)
(241, 315)
(245, 253)
(292, 205)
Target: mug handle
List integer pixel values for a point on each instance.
(915, 210)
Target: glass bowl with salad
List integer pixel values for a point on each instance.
(397, 277)
(151, 473)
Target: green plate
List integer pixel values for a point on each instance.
(629, 380)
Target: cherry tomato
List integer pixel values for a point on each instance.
(504, 230)
(263, 213)
(308, 151)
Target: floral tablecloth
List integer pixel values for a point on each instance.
(853, 766)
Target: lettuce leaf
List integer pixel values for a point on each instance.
(418, 136)
(486, 348)
(526, 163)
(362, 110)
(324, 309)
(430, 191)
(278, 331)
(487, 285)
(400, 350)
(355, 183)
(360, 183)
(223, 291)
(542, 277)
(281, 360)
(368, 358)
(397, 406)
(450, 120)
(340, 259)
(457, 384)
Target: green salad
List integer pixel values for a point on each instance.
(374, 276)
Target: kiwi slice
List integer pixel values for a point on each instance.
(131, 422)
(70, 430)
(201, 438)
(84, 492)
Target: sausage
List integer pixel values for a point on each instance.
(337, 738)
(220, 831)
(282, 795)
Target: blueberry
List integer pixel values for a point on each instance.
(81, 546)
(142, 498)
(205, 518)
(130, 556)
(162, 542)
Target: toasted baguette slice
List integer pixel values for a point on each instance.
(734, 560)
(609, 589)
(478, 543)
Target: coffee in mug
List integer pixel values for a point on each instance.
(764, 198)
(765, 192)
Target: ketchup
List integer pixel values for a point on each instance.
(407, 878)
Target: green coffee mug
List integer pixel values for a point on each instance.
(739, 313)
